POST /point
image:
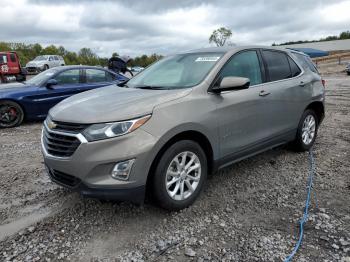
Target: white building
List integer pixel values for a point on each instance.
(336, 45)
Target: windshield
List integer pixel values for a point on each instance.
(178, 71)
(42, 77)
(40, 58)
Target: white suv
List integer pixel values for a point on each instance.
(44, 62)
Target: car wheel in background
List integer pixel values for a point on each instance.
(11, 114)
(180, 175)
(307, 131)
(46, 67)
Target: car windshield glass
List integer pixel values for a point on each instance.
(178, 71)
(42, 77)
(40, 58)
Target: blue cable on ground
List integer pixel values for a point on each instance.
(306, 209)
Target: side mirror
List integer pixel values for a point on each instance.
(51, 82)
(229, 83)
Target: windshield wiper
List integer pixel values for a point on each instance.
(151, 87)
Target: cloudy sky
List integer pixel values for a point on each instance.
(165, 26)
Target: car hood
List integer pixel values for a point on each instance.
(12, 87)
(112, 103)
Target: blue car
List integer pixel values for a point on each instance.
(31, 100)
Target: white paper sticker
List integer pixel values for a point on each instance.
(207, 59)
(49, 74)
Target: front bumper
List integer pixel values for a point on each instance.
(34, 69)
(88, 169)
(134, 195)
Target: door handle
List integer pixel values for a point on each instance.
(264, 93)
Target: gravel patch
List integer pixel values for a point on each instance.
(247, 212)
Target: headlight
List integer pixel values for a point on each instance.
(108, 130)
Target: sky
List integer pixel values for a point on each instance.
(164, 27)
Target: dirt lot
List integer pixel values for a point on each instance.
(248, 212)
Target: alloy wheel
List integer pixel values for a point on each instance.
(308, 129)
(183, 175)
(8, 114)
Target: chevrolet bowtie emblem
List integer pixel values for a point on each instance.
(51, 125)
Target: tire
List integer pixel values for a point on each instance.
(348, 73)
(11, 114)
(304, 143)
(167, 171)
(20, 78)
(46, 67)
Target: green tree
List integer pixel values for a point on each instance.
(220, 36)
(50, 50)
(344, 35)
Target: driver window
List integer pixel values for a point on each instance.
(244, 64)
(68, 77)
(50, 58)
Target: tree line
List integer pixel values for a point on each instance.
(85, 56)
(342, 36)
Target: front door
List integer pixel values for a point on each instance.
(68, 84)
(241, 114)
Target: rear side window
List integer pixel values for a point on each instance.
(244, 64)
(13, 58)
(294, 67)
(56, 58)
(306, 62)
(97, 76)
(277, 65)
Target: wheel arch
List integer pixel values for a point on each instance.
(193, 135)
(318, 108)
(17, 102)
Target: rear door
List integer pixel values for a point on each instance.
(51, 61)
(284, 93)
(57, 61)
(95, 78)
(241, 115)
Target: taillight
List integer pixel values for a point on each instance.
(324, 83)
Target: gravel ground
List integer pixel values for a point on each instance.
(248, 212)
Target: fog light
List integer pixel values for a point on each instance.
(122, 170)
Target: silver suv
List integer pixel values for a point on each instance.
(44, 62)
(185, 116)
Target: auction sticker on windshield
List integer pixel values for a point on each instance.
(207, 59)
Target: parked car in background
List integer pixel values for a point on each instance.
(137, 69)
(44, 62)
(347, 69)
(183, 117)
(31, 100)
(10, 67)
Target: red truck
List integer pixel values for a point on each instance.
(10, 68)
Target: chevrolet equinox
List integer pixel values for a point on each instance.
(183, 117)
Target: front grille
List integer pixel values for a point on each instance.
(69, 127)
(60, 145)
(64, 178)
(31, 69)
